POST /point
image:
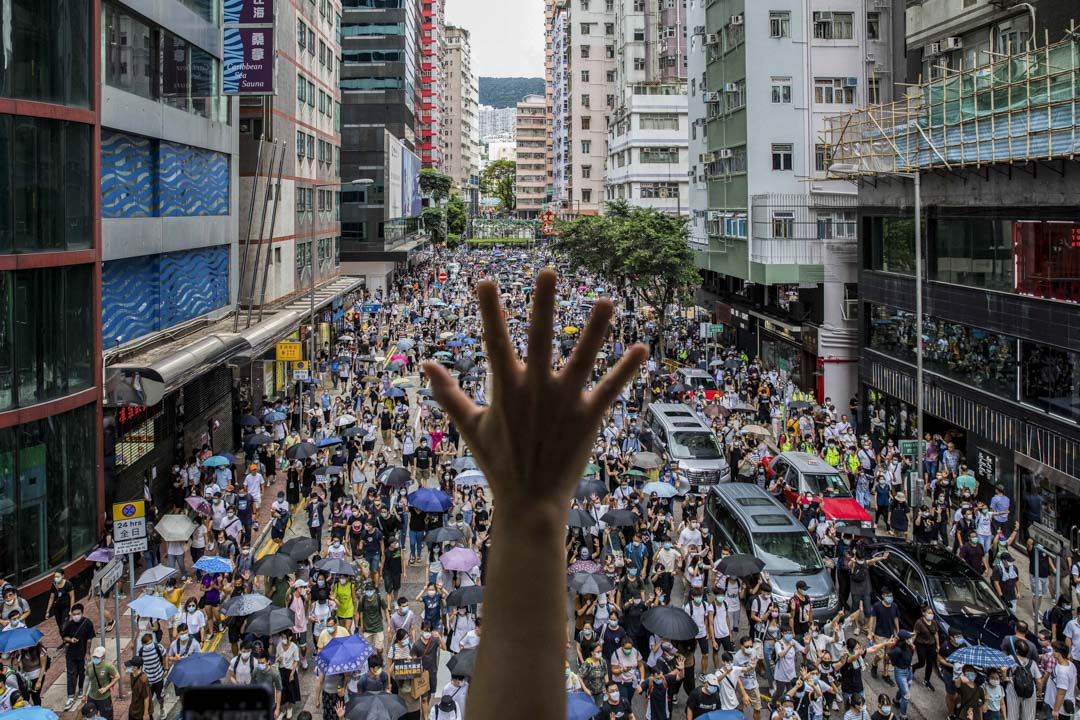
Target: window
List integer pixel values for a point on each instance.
(1047, 259)
(659, 155)
(781, 90)
(324, 53)
(834, 91)
(735, 35)
(610, 101)
(735, 99)
(311, 147)
(584, 4)
(585, 51)
(639, 63)
(310, 41)
(586, 171)
(779, 24)
(658, 121)
(782, 157)
(890, 244)
(301, 90)
(130, 54)
(586, 122)
(585, 100)
(586, 147)
(585, 28)
(639, 6)
(639, 34)
(584, 76)
(834, 25)
(586, 195)
(351, 57)
(610, 76)
(783, 223)
(609, 52)
(609, 29)
(301, 34)
(822, 157)
(655, 191)
(1050, 379)
(311, 93)
(873, 26)
(873, 90)
(972, 251)
(301, 144)
(838, 225)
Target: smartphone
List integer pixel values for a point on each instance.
(227, 702)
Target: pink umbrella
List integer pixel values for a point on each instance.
(101, 554)
(400, 358)
(459, 559)
(199, 505)
(584, 566)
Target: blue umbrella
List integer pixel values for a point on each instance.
(470, 341)
(664, 490)
(274, 417)
(228, 456)
(29, 712)
(722, 715)
(216, 461)
(344, 655)
(428, 500)
(19, 639)
(980, 656)
(214, 564)
(394, 392)
(250, 421)
(153, 606)
(327, 442)
(580, 706)
(198, 669)
(455, 343)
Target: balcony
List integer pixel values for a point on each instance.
(810, 231)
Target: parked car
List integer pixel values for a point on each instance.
(699, 381)
(808, 475)
(920, 575)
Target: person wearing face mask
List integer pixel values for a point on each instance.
(882, 497)
(885, 710)
(265, 675)
(787, 650)
(242, 666)
(101, 677)
(183, 644)
(884, 624)
(624, 663)
(1005, 578)
(970, 696)
(690, 535)
(786, 711)
(664, 563)
(77, 633)
(702, 613)
(615, 706)
(657, 696)
(926, 645)
(141, 698)
(403, 619)
(61, 598)
(974, 555)
(856, 709)
(427, 647)
(193, 617)
(153, 656)
(900, 655)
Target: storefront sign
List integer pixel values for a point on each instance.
(174, 66)
(370, 307)
(289, 351)
(247, 12)
(129, 527)
(248, 62)
(986, 464)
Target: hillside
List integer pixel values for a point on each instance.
(507, 92)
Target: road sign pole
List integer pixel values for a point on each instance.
(116, 624)
(131, 590)
(101, 599)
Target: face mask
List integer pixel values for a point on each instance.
(613, 696)
(658, 681)
(431, 593)
(369, 593)
(322, 583)
(191, 608)
(995, 683)
(58, 580)
(928, 616)
(788, 712)
(774, 614)
(886, 709)
(747, 648)
(627, 651)
(788, 636)
(698, 600)
(970, 676)
(184, 636)
(76, 617)
(245, 655)
(667, 546)
(260, 666)
(613, 624)
(887, 600)
(426, 635)
(402, 610)
(97, 660)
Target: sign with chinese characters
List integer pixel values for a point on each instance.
(129, 527)
(249, 12)
(301, 371)
(248, 64)
(289, 351)
(986, 466)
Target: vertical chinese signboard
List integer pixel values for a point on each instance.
(248, 48)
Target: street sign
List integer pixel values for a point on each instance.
(908, 448)
(129, 527)
(107, 577)
(288, 351)
(716, 328)
(301, 370)
(442, 276)
(1052, 542)
(370, 307)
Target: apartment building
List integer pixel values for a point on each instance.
(698, 191)
(462, 129)
(531, 132)
(781, 233)
(496, 122)
(647, 129)
(430, 138)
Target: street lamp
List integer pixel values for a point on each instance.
(847, 170)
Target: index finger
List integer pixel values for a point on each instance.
(496, 336)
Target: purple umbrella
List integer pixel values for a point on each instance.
(101, 554)
(199, 505)
(583, 566)
(459, 559)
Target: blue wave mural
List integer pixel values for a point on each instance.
(145, 294)
(142, 177)
(233, 8)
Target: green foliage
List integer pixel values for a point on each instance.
(498, 180)
(507, 92)
(435, 222)
(435, 185)
(453, 240)
(456, 216)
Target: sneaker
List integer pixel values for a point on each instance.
(929, 686)
(69, 704)
(887, 680)
(873, 671)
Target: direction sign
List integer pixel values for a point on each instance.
(716, 328)
(129, 527)
(107, 577)
(1051, 541)
(908, 447)
(370, 307)
(288, 351)
(301, 370)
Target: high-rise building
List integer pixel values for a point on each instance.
(497, 122)
(462, 128)
(647, 133)
(52, 494)
(429, 129)
(781, 234)
(532, 131)
(698, 191)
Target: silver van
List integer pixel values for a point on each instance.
(689, 443)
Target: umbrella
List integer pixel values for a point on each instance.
(327, 442)
(678, 388)
(591, 469)
(153, 606)
(394, 392)
(584, 566)
(425, 392)
(394, 477)
(214, 564)
(570, 330)
(242, 605)
(375, 706)
(580, 706)
(300, 548)
(464, 366)
(470, 478)
(722, 715)
(755, 430)
(800, 405)
(198, 669)
(712, 410)
(272, 620)
(403, 383)
(590, 583)
(22, 638)
(647, 460)
(216, 461)
(258, 439)
(155, 576)
(302, 451)
(344, 655)
(669, 623)
(443, 354)
(406, 344)
(980, 656)
(740, 565)
(587, 488)
(328, 470)
(743, 407)
(344, 420)
(465, 596)
(664, 490)
(580, 519)
(336, 566)
(443, 534)
(634, 472)
(29, 712)
(620, 518)
(459, 559)
(175, 528)
(368, 379)
(274, 417)
(464, 663)
(429, 500)
(199, 505)
(350, 432)
(101, 554)
(277, 565)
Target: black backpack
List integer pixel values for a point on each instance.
(1022, 680)
(858, 573)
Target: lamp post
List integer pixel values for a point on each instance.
(847, 170)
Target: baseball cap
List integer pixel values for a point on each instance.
(253, 467)
(905, 635)
(99, 651)
(134, 662)
(801, 585)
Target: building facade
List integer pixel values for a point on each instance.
(433, 96)
(52, 493)
(531, 133)
(698, 191)
(496, 122)
(462, 128)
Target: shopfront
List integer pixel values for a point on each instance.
(783, 348)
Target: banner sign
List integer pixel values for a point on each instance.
(248, 12)
(248, 64)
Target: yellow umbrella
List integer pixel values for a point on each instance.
(570, 330)
(401, 381)
(446, 335)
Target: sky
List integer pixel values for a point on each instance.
(507, 36)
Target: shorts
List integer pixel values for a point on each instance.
(423, 473)
(703, 644)
(755, 697)
(392, 583)
(369, 446)
(377, 640)
(301, 638)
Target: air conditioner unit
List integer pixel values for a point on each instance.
(699, 30)
(711, 97)
(715, 216)
(736, 19)
(870, 57)
(731, 87)
(725, 153)
(712, 39)
(933, 49)
(825, 16)
(953, 43)
(851, 82)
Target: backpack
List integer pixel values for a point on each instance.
(1023, 682)
(858, 573)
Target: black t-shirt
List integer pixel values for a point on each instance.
(385, 421)
(618, 711)
(700, 702)
(61, 597)
(372, 541)
(885, 618)
(423, 457)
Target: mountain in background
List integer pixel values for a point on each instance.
(505, 92)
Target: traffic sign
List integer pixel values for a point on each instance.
(301, 370)
(442, 276)
(716, 328)
(129, 527)
(288, 351)
(370, 307)
(106, 578)
(909, 448)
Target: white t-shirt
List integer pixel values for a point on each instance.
(700, 614)
(623, 660)
(1063, 677)
(748, 661)
(785, 666)
(1072, 631)
(729, 696)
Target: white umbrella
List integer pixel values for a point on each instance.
(175, 528)
(155, 576)
(345, 420)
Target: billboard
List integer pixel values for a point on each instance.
(410, 184)
(402, 182)
(248, 12)
(248, 61)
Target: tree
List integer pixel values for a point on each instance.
(640, 250)
(435, 221)
(497, 181)
(435, 185)
(456, 216)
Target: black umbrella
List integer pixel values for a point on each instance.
(580, 519)
(271, 621)
(732, 364)
(647, 460)
(336, 566)
(349, 432)
(443, 534)
(300, 548)
(394, 477)
(678, 388)
(302, 451)
(464, 365)
(800, 405)
(464, 663)
(620, 518)
(277, 565)
(258, 439)
(587, 488)
(465, 596)
(740, 565)
(590, 583)
(743, 407)
(250, 421)
(329, 470)
(670, 623)
(375, 706)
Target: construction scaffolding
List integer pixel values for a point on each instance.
(1019, 108)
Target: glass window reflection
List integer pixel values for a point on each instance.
(45, 51)
(1049, 380)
